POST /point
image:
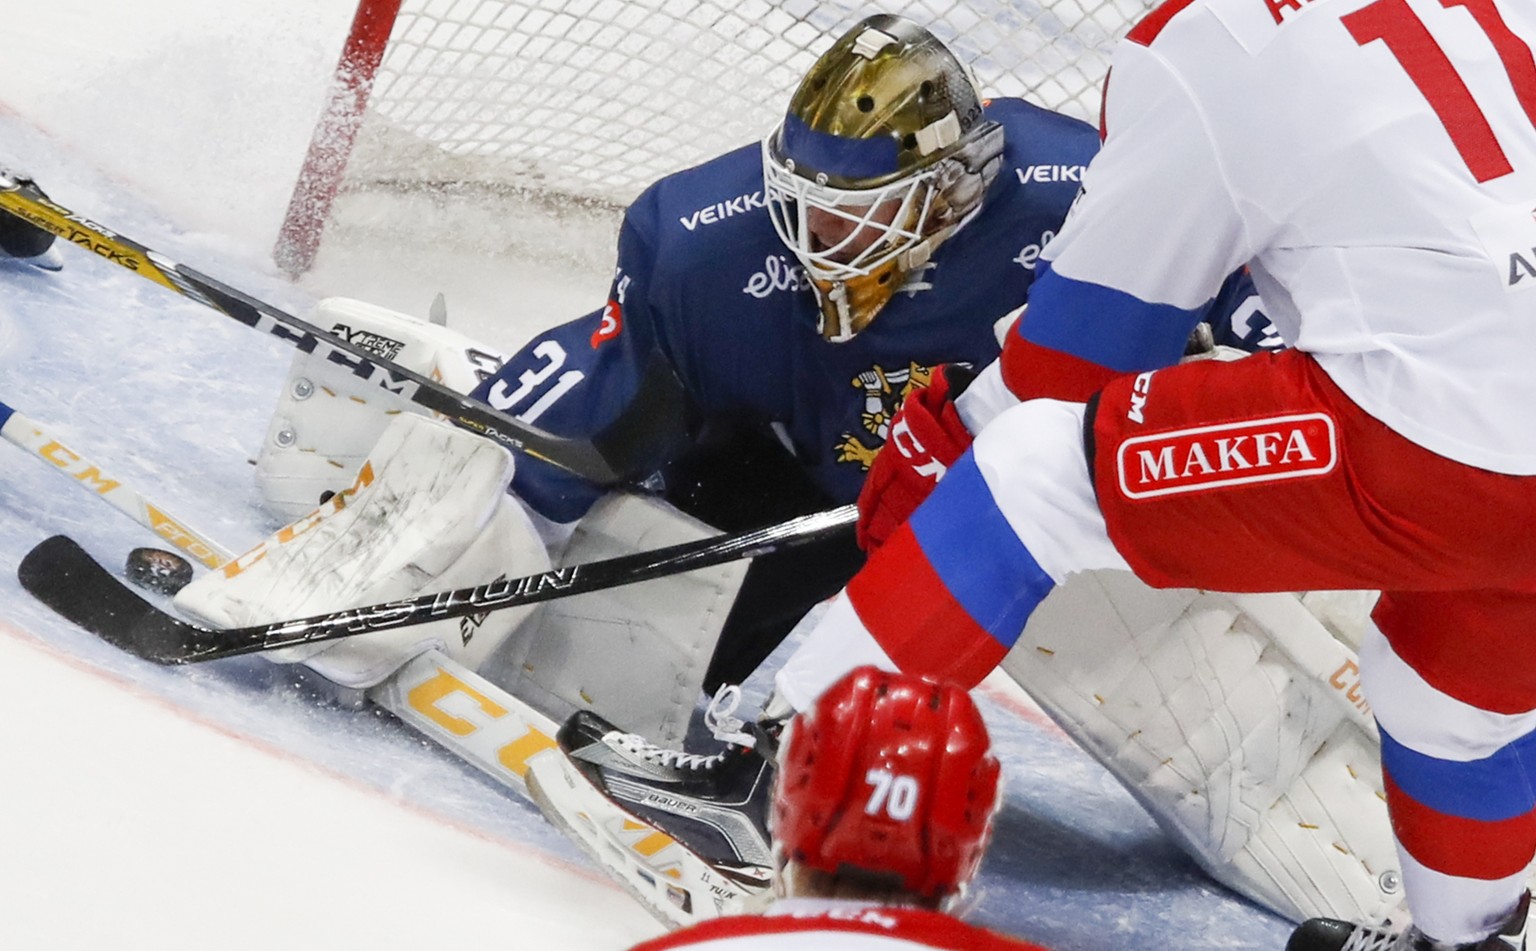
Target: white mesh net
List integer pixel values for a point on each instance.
(597, 98)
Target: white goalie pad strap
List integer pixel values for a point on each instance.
(327, 419)
(430, 511)
(1325, 847)
(1236, 721)
(637, 654)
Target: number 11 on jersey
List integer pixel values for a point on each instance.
(1395, 24)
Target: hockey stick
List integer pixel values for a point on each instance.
(505, 739)
(63, 576)
(32, 436)
(633, 445)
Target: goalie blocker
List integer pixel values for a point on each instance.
(327, 420)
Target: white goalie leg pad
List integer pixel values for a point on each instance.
(1345, 613)
(1237, 721)
(430, 512)
(327, 418)
(637, 654)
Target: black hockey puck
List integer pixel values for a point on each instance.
(158, 570)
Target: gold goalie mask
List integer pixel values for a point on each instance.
(882, 154)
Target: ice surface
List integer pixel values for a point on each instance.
(224, 805)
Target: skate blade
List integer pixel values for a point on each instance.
(677, 886)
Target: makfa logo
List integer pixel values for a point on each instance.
(1209, 457)
(777, 275)
(721, 210)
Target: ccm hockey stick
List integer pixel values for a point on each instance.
(37, 440)
(63, 576)
(633, 445)
(471, 717)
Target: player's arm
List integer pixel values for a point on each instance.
(577, 379)
(1145, 251)
(1154, 245)
(1139, 261)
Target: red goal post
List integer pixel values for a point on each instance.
(591, 100)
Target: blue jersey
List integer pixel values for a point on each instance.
(704, 280)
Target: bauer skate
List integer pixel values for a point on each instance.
(1330, 934)
(717, 804)
(685, 832)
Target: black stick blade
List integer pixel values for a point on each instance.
(74, 585)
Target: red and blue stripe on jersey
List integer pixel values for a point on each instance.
(1472, 819)
(1077, 335)
(949, 593)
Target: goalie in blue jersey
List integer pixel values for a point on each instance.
(799, 288)
(796, 290)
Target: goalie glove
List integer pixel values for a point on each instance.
(926, 437)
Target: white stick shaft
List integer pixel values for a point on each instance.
(37, 440)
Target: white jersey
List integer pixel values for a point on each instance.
(1374, 161)
(805, 924)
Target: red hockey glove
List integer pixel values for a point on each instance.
(926, 437)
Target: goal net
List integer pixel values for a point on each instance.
(582, 103)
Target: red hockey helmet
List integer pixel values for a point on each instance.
(891, 774)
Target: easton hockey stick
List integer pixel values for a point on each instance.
(505, 740)
(63, 576)
(37, 440)
(633, 445)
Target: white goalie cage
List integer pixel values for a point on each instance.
(568, 108)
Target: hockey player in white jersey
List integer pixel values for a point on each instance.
(1374, 161)
(881, 815)
(1375, 164)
